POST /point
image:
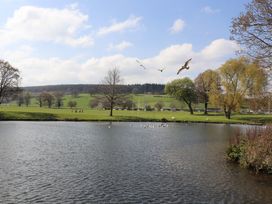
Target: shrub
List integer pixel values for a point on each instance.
(159, 105)
(252, 149)
(72, 104)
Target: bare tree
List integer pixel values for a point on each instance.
(47, 98)
(111, 88)
(9, 80)
(253, 30)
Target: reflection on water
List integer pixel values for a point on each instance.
(58, 162)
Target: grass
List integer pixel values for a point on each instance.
(13, 112)
(252, 149)
(140, 100)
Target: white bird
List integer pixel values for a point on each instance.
(140, 64)
(185, 66)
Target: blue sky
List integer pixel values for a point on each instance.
(58, 42)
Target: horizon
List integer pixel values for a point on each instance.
(76, 42)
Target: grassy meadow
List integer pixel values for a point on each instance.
(34, 112)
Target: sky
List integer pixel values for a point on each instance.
(77, 42)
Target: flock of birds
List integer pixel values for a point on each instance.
(185, 66)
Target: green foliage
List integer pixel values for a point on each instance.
(182, 90)
(239, 78)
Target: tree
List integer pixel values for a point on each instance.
(239, 78)
(159, 105)
(48, 99)
(204, 83)
(58, 99)
(126, 103)
(20, 99)
(182, 89)
(253, 30)
(40, 99)
(111, 90)
(72, 104)
(9, 80)
(27, 98)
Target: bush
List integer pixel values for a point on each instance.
(252, 149)
(72, 104)
(159, 105)
(94, 103)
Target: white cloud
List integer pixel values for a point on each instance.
(177, 26)
(37, 71)
(120, 46)
(130, 23)
(219, 48)
(209, 10)
(30, 23)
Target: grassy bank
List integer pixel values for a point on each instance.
(66, 114)
(252, 149)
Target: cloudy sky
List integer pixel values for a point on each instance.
(69, 42)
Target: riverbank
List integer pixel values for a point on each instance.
(46, 114)
(252, 149)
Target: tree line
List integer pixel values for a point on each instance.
(74, 89)
(227, 87)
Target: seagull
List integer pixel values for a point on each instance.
(185, 66)
(161, 70)
(140, 64)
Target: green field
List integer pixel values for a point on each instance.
(140, 100)
(34, 112)
(65, 114)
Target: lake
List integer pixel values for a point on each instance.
(78, 162)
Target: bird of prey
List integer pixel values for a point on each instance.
(185, 66)
(140, 64)
(161, 70)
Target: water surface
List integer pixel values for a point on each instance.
(67, 162)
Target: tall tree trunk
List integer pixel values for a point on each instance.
(111, 108)
(190, 108)
(206, 108)
(227, 112)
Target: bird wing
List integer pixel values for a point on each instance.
(140, 64)
(180, 70)
(187, 62)
(143, 66)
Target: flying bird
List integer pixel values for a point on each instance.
(185, 66)
(161, 70)
(140, 64)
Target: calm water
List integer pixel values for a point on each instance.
(58, 162)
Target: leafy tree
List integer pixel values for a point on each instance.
(239, 78)
(159, 105)
(9, 80)
(204, 83)
(253, 30)
(182, 90)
